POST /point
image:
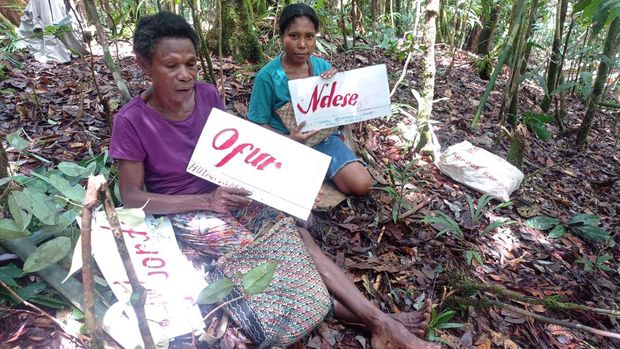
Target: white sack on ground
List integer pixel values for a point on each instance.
(43, 13)
(480, 170)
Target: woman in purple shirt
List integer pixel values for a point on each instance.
(153, 138)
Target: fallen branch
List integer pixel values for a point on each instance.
(466, 285)
(408, 213)
(572, 325)
(95, 186)
(138, 293)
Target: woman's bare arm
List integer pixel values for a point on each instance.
(131, 180)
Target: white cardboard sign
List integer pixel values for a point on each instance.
(160, 267)
(279, 172)
(346, 98)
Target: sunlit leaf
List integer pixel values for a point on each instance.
(133, 217)
(215, 291)
(9, 230)
(542, 222)
(585, 218)
(16, 141)
(71, 169)
(497, 223)
(20, 208)
(43, 208)
(258, 278)
(557, 232)
(591, 233)
(48, 254)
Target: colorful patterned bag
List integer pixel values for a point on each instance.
(296, 300)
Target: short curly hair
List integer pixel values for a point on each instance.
(292, 11)
(151, 29)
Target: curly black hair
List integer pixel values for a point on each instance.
(151, 29)
(292, 11)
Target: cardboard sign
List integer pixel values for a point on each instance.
(348, 97)
(160, 266)
(279, 172)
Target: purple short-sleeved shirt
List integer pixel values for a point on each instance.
(164, 146)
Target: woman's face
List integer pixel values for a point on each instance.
(299, 39)
(173, 69)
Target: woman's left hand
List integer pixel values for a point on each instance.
(329, 73)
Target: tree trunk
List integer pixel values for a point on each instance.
(484, 40)
(518, 147)
(428, 75)
(611, 47)
(103, 40)
(12, 10)
(518, 10)
(4, 162)
(519, 64)
(576, 80)
(343, 27)
(205, 57)
(238, 36)
(554, 61)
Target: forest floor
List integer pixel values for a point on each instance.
(396, 265)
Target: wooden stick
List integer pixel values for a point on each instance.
(91, 199)
(575, 326)
(406, 214)
(138, 293)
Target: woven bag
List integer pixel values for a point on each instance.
(287, 115)
(296, 300)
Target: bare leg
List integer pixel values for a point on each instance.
(354, 179)
(387, 333)
(416, 322)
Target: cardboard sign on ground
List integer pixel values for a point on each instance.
(160, 266)
(279, 172)
(346, 98)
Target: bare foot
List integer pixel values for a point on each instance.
(391, 334)
(417, 321)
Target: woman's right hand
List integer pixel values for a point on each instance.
(299, 136)
(225, 199)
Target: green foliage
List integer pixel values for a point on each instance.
(36, 292)
(48, 254)
(255, 281)
(484, 66)
(537, 123)
(598, 12)
(440, 322)
(598, 264)
(47, 200)
(400, 186)
(583, 224)
(446, 224)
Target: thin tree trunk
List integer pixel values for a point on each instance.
(461, 36)
(428, 75)
(611, 47)
(205, 56)
(484, 40)
(554, 61)
(120, 84)
(576, 80)
(515, 78)
(518, 6)
(343, 27)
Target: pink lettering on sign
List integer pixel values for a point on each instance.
(318, 100)
(227, 138)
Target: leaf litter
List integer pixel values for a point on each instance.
(62, 115)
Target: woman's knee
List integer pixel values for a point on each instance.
(353, 179)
